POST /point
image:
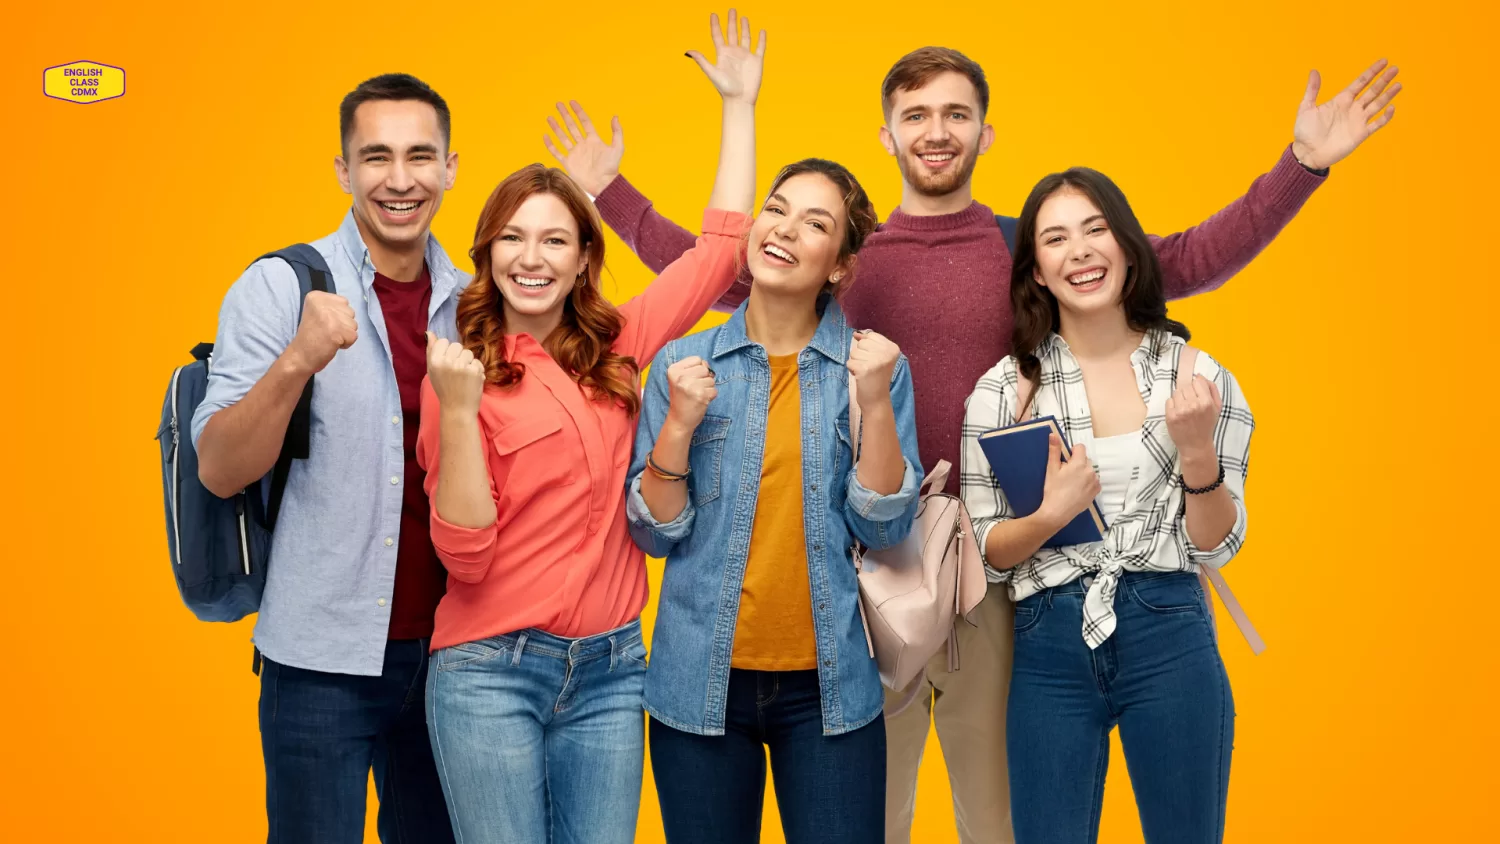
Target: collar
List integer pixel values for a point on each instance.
(1154, 344)
(832, 339)
(445, 276)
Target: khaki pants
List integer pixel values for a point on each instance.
(968, 707)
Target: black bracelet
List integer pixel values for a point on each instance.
(663, 473)
(1205, 490)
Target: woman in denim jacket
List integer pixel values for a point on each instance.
(744, 480)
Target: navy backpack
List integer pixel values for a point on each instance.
(1008, 229)
(220, 547)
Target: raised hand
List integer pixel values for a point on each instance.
(872, 359)
(1192, 415)
(692, 388)
(456, 375)
(582, 152)
(327, 326)
(735, 71)
(1325, 134)
(1070, 487)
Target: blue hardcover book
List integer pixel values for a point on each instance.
(1018, 457)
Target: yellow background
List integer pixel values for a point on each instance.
(1362, 338)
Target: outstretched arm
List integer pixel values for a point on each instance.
(595, 165)
(1205, 256)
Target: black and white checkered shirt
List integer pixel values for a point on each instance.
(1150, 534)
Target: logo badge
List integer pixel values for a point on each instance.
(84, 82)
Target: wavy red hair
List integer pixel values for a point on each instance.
(590, 324)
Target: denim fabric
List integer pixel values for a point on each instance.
(1159, 678)
(707, 546)
(322, 733)
(829, 789)
(539, 738)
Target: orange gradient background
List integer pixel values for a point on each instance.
(1362, 338)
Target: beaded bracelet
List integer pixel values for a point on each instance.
(1204, 490)
(663, 473)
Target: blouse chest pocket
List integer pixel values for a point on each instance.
(536, 453)
(706, 458)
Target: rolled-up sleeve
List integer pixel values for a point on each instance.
(1232, 441)
(467, 553)
(656, 538)
(881, 521)
(990, 406)
(257, 321)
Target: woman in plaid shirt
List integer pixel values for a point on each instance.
(1116, 632)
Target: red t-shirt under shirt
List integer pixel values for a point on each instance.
(420, 577)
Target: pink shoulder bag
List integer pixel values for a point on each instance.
(911, 595)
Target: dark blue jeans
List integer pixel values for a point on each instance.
(1158, 677)
(321, 735)
(830, 789)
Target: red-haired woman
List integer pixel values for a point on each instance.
(534, 706)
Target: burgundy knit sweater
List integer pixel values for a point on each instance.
(939, 287)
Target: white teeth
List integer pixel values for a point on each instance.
(532, 283)
(780, 253)
(399, 207)
(938, 156)
(1091, 275)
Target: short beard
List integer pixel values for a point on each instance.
(937, 185)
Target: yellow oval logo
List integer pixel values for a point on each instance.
(84, 82)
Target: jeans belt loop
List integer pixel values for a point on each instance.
(520, 646)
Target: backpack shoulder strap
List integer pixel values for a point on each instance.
(1187, 358)
(1008, 228)
(312, 274)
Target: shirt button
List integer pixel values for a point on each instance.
(395, 420)
(380, 602)
(814, 487)
(389, 542)
(827, 663)
(395, 480)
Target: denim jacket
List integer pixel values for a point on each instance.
(707, 545)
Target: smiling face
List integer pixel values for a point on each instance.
(535, 261)
(796, 240)
(937, 133)
(397, 168)
(1078, 259)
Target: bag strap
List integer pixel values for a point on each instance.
(1008, 230)
(312, 274)
(1187, 358)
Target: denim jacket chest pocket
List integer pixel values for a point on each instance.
(706, 458)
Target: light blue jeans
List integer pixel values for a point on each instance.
(540, 739)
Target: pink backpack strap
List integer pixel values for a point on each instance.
(1186, 360)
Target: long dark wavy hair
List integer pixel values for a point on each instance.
(590, 324)
(1034, 306)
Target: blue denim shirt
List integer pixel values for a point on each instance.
(327, 604)
(707, 545)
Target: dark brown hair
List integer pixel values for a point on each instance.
(391, 86)
(919, 67)
(581, 342)
(858, 210)
(1034, 306)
